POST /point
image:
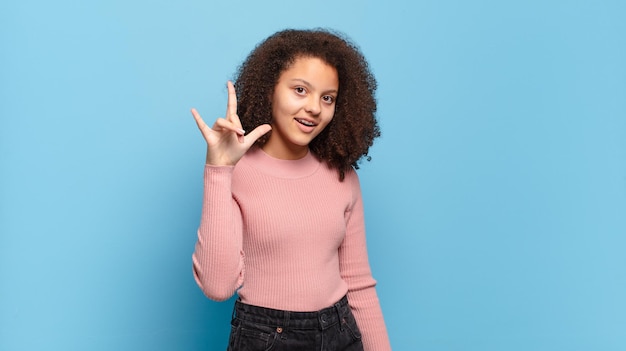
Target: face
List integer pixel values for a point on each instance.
(303, 104)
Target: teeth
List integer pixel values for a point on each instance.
(305, 122)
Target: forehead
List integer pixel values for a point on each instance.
(311, 69)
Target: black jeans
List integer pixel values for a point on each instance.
(256, 328)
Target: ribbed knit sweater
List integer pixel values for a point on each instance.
(290, 236)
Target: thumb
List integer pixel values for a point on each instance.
(258, 132)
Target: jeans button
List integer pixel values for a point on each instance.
(323, 318)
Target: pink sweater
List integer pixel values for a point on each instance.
(290, 236)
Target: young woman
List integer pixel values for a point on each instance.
(282, 218)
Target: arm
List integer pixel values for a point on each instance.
(218, 266)
(218, 257)
(355, 270)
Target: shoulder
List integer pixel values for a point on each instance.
(350, 183)
(352, 178)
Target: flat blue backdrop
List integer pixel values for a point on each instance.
(495, 199)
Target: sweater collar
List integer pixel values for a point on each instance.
(290, 169)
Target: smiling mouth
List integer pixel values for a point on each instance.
(305, 122)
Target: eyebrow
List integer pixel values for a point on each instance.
(333, 91)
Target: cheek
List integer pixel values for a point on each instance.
(278, 104)
(286, 104)
(330, 114)
(326, 120)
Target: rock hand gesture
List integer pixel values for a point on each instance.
(226, 140)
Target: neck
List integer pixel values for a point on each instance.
(285, 152)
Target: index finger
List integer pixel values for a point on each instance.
(231, 108)
(197, 117)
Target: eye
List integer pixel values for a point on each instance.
(328, 99)
(299, 90)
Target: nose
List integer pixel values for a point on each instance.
(313, 106)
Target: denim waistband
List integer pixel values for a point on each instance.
(321, 319)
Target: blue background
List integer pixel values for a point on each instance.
(495, 199)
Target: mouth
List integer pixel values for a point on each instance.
(306, 122)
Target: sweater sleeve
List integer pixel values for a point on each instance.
(218, 265)
(355, 270)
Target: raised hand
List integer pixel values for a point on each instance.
(226, 140)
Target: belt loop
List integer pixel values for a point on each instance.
(339, 318)
(234, 311)
(286, 316)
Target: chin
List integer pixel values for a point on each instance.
(303, 141)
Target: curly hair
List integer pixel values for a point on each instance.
(354, 127)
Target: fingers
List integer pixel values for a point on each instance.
(223, 124)
(257, 133)
(231, 121)
(231, 108)
(198, 119)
